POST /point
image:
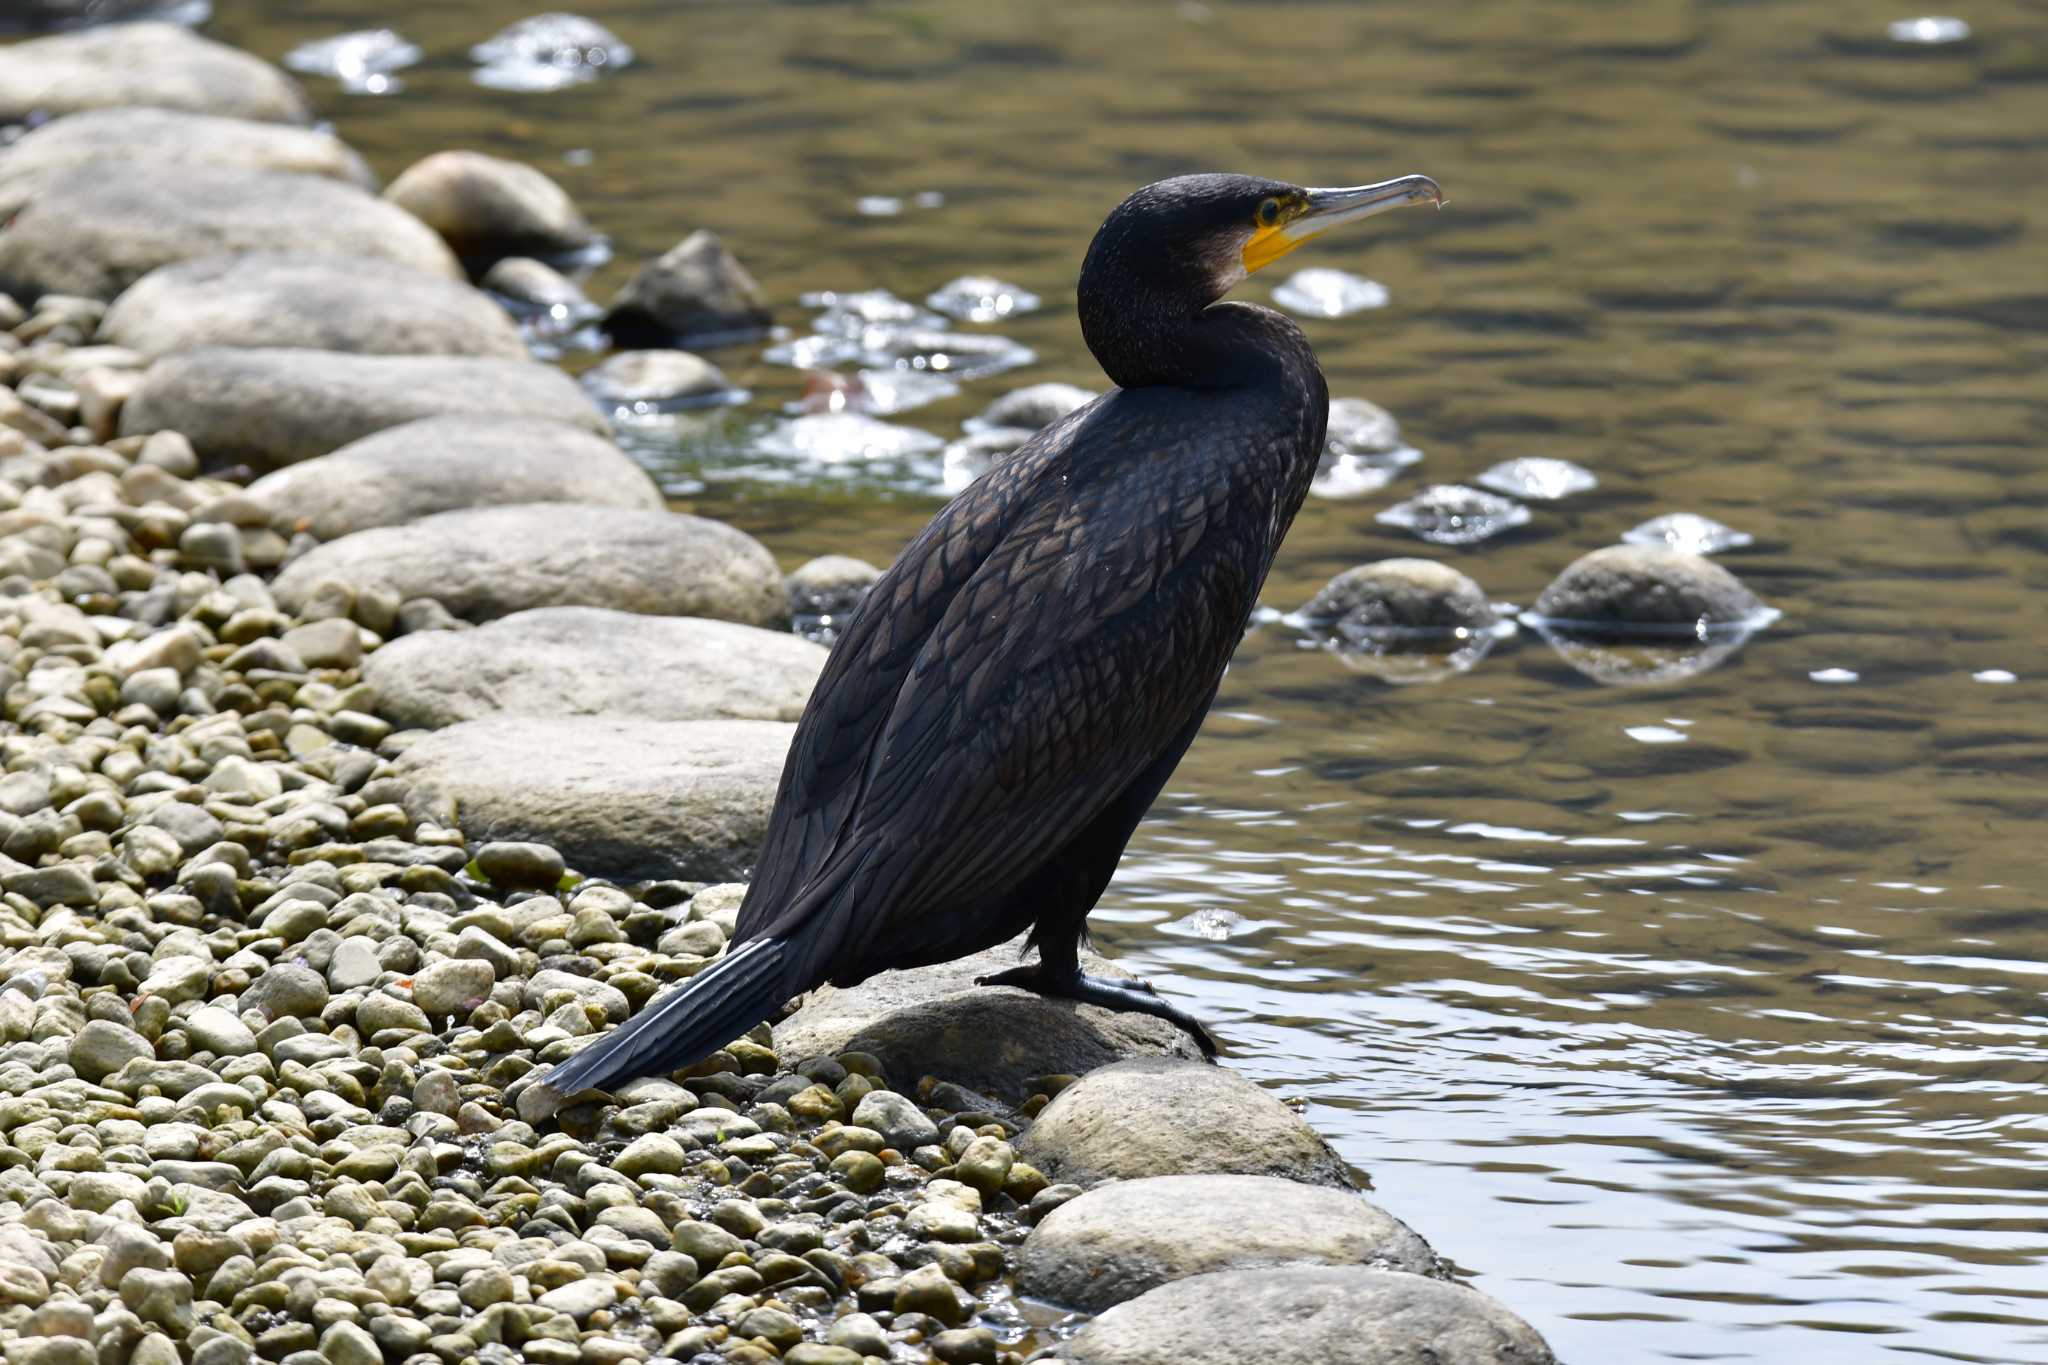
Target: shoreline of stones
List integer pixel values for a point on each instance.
(338, 805)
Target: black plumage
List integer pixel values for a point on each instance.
(1007, 702)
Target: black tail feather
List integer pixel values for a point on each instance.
(684, 1026)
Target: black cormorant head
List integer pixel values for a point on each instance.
(1201, 234)
(1175, 247)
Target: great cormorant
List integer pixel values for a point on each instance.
(1006, 703)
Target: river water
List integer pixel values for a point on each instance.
(1697, 1022)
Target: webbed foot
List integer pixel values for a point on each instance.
(1134, 996)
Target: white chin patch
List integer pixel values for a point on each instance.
(1225, 261)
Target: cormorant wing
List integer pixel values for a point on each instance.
(1076, 651)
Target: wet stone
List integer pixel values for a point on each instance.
(697, 289)
(1538, 478)
(548, 52)
(982, 298)
(1320, 292)
(1688, 532)
(1451, 514)
(365, 62)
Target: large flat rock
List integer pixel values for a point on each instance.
(936, 1021)
(1151, 1117)
(587, 661)
(98, 228)
(1306, 1315)
(618, 798)
(1126, 1237)
(159, 65)
(276, 406)
(321, 303)
(171, 137)
(492, 561)
(445, 464)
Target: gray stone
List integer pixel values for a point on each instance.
(897, 1118)
(621, 798)
(162, 66)
(486, 207)
(287, 989)
(1647, 585)
(103, 1047)
(1153, 1116)
(177, 978)
(213, 1029)
(694, 290)
(320, 303)
(494, 561)
(634, 381)
(170, 137)
(1305, 1315)
(444, 464)
(97, 229)
(823, 593)
(520, 866)
(273, 407)
(333, 643)
(63, 884)
(1033, 406)
(1408, 594)
(347, 1344)
(567, 661)
(449, 987)
(1123, 1238)
(936, 1021)
(580, 1298)
(192, 826)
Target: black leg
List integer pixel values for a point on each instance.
(1048, 979)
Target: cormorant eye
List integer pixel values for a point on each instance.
(1269, 212)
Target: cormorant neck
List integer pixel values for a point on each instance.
(1144, 332)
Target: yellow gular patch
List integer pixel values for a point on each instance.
(1267, 245)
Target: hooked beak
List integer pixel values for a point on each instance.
(1326, 209)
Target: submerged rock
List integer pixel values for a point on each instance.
(487, 208)
(1121, 1239)
(641, 383)
(622, 798)
(98, 228)
(1398, 595)
(982, 298)
(365, 62)
(1157, 1116)
(575, 661)
(322, 303)
(824, 591)
(695, 290)
(169, 137)
(1319, 292)
(1451, 514)
(272, 407)
(1308, 1315)
(444, 464)
(1642, 585)
(1031, 407)
(1538, 477)
(993, 1038)
(487, 562)
(1362, 450)
(548, 52)
(1688, 532)
(158, 65)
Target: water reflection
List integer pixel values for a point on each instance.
(1725, 1048)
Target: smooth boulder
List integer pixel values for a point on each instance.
(445, 464)
(1153, 1116)
(582, 661)
(321, 303)
(1306, 1315)
(621, 798)
(487, 208)
(1647, 585)
(96, 229)
(1399, 594)
(276, 406)
(1126, 1237)
(171, 137)
(697, 289)
(162, 66)
(937, 1021)
(489, 562)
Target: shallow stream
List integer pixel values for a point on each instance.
(1700, 1021)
